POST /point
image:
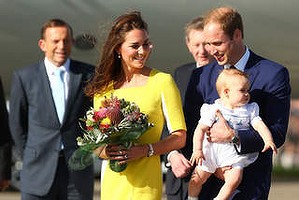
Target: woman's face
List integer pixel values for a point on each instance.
(135, 50)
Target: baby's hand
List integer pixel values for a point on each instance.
(270, 144)
(197, 157)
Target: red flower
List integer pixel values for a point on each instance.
(100, 114)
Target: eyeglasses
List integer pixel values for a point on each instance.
(146, 46)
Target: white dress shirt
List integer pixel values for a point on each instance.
(50, 68)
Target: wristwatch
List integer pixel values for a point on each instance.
(150, 150)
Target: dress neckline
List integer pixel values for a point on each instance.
(139, 86)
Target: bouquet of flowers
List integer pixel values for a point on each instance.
(117, 121)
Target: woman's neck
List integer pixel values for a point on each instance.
(134, 78)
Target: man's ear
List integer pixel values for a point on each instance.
(41, 44)
(188, 44)
(237, 34)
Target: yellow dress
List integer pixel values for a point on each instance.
(142, 179)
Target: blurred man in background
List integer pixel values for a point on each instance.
(5, 143)
(46, 101)
(177, 188)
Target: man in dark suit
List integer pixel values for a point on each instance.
(195, 44)
(44, 128)
(270, 88)
(176, 188)
(5, 143)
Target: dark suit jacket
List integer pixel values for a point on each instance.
(36, 129)
(182, 76)
(271, 90)
(5, 139)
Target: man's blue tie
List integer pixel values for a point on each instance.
(59, 94)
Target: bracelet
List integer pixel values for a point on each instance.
(151, 151)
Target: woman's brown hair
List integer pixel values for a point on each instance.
(109, 68)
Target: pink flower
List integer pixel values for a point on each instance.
(100, 114)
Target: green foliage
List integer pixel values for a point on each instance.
(285, 174)
(117, 121)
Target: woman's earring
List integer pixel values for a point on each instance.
(119, 56)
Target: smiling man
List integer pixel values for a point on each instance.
(46, 102)
(177, 184)
(270, 88)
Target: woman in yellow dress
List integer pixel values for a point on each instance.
(122, 72)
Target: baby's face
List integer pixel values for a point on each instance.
(239, 92)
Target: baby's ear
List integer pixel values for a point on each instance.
(226, 92)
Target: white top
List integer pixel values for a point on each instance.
(239, 118)
(224, 154)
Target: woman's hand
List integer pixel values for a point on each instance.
(123, 155)
(180, 166)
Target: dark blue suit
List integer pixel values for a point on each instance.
(271, 90)
(37, 132)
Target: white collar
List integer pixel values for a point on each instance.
(240, 65)
(50, 67)
(242, 62)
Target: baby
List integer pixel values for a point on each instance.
(232, 86)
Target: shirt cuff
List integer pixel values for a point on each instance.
(168, 157)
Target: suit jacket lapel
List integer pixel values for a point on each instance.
(252, 63)
(74, 86)
(252, 60)
(47, 92)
